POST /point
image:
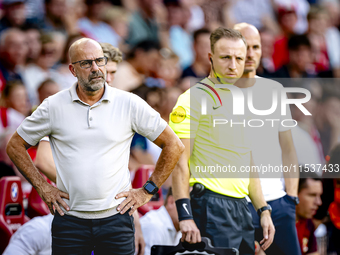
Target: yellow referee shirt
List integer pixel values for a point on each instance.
(221, 143)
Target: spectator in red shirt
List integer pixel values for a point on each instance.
(287, 19)
(309, 192)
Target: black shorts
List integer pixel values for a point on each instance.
(111, 235)
(227, 221)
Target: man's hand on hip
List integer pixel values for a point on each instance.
(134, 199)
(268, 230)
(52, 196)
(190, 232)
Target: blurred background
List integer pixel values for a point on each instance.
(165, 45)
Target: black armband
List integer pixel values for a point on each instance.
(184, 209)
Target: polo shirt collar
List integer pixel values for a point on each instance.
(105, 97)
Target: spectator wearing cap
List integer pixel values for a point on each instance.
(93, 26)
(300, 60)
(13, 52)
(201, 66)
(140, 63)
(310, 190)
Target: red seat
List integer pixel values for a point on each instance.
(36, 206)
(12, 214)
(141, 176)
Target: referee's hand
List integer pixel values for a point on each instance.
(190, 232)
(134, 199)
(268, 230)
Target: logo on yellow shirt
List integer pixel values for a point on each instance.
(178, 115)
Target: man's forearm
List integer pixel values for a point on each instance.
(255, 192)
(167, 161)
(290, 161)
(17, 152)
(291, 177)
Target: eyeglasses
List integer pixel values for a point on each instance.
(88, 63)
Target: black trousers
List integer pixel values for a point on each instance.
(283, 215)
(111, 235)
(225, 220)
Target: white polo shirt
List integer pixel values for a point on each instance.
(158, 229)
(34, 237)
(91, 144)
(266, 149)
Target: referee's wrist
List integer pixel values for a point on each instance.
(184, 209)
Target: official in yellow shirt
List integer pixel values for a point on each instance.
(217, 147)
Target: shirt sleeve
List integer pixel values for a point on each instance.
(29, 239)
(287, 117)
(145, 120)
(36, 126)
(184, 118)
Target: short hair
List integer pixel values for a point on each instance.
(228, 33)
(306, 174)
(296, 41)
(9, 87)
(167, 196)
(145, 46)
(112, 53)
(6, 33)
(44, 83)
(315, 11)
(199, 32)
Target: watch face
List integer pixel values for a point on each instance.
(149, 187)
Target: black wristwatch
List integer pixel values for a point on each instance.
(295, 199)
(151, 187)
(264, 208)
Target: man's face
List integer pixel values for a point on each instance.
(57, 8)
(253, 50)
(48, 90)
(300, 58)
(16, 13)
(229, 58)
(149, 61)
(33, 42)
(202, 47)
(15, 50)
(111, 69)
(310, 199)
(93, 78)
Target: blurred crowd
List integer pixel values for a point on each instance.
(164, 44)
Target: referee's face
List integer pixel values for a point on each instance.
(229, 58)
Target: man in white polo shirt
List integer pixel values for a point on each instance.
(272, 145)
(91, 126)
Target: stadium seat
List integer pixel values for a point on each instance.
(203, 247)
(12, 214)
(36, 206)
(141, 176)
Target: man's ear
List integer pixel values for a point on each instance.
(71, 68)
(210, 57)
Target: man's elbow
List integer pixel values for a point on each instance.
(179, 146)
